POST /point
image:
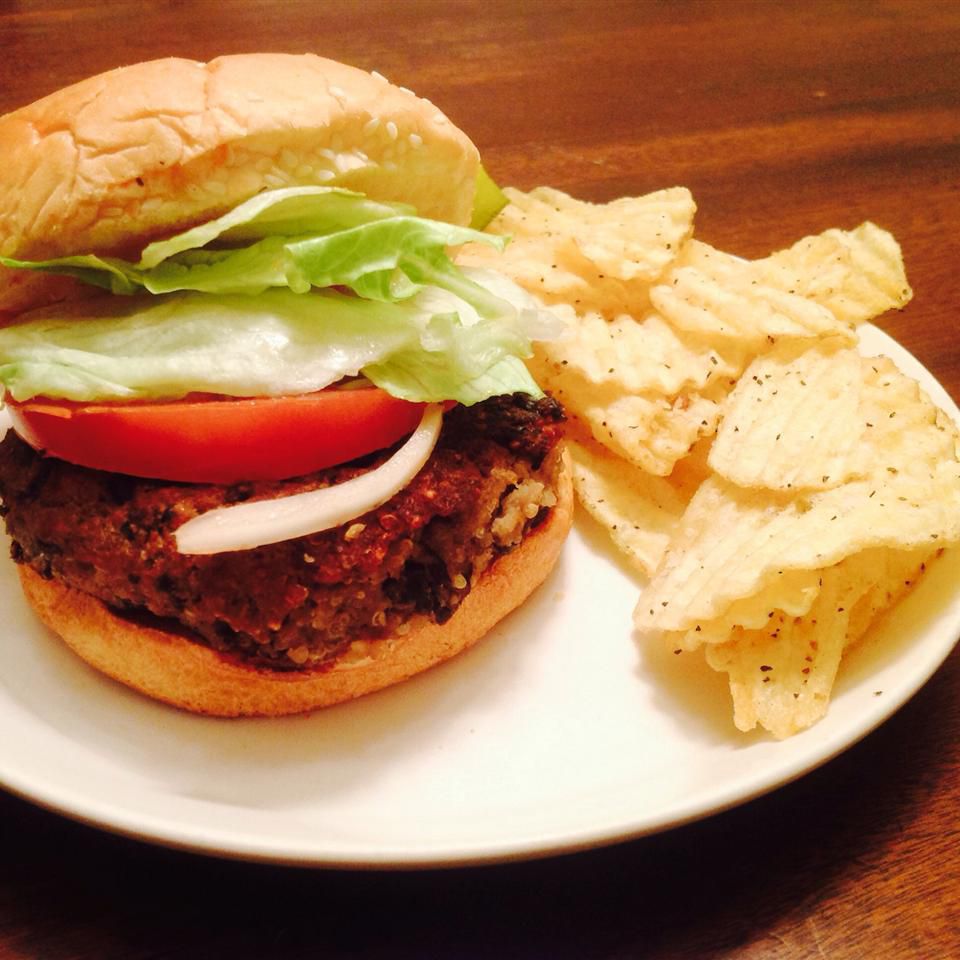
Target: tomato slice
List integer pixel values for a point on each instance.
(217, 440)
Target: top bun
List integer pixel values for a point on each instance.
(124, 157)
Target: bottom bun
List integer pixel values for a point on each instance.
(168, 666)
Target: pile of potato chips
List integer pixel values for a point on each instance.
(777, 490)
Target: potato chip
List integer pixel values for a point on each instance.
(556, 274)
(793, 421)
(781, 677)
(856, 274)
(780, 696)
(732, 542)
(692, 470)
(791, 592)
(725, 298)
(890, 574)
(903, 432)
(797, 420)
(600, 257)
(653, 432)
(632, 238)
(650, 431)
(646, 356)
(639, 511)
(646, 391)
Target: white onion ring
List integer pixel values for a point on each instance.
(245, 526)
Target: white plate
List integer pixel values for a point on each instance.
(557, 732)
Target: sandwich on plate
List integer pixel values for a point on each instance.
(270, 447)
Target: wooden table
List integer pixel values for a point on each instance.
(783, 119)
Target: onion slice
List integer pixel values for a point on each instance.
(245, 526)
(5, 422)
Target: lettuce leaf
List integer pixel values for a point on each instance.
(251, 304)
(289, 212)
(299, 237)
(111, 348)
(488, 200)
(387, 260)
(110, 273)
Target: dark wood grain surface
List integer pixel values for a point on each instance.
(783, 119)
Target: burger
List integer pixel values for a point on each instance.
(270, 447)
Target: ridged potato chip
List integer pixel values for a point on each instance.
(632, 238)
(651, 431)
(646, 392)
(600, 257)
(557, 274)
(813, 417)
(890, 576)
(639, 356)
(638, 510)
(793, 421)
(856, 274)
(732, 542)
(725, 298)
(791, 592)
(902, 432)
(781, 677)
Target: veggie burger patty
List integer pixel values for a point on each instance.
(488, 482)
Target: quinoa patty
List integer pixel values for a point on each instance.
(489, 480)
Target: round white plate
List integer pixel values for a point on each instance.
(558, 732)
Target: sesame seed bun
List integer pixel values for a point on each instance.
(116, 160)
(171, 667)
